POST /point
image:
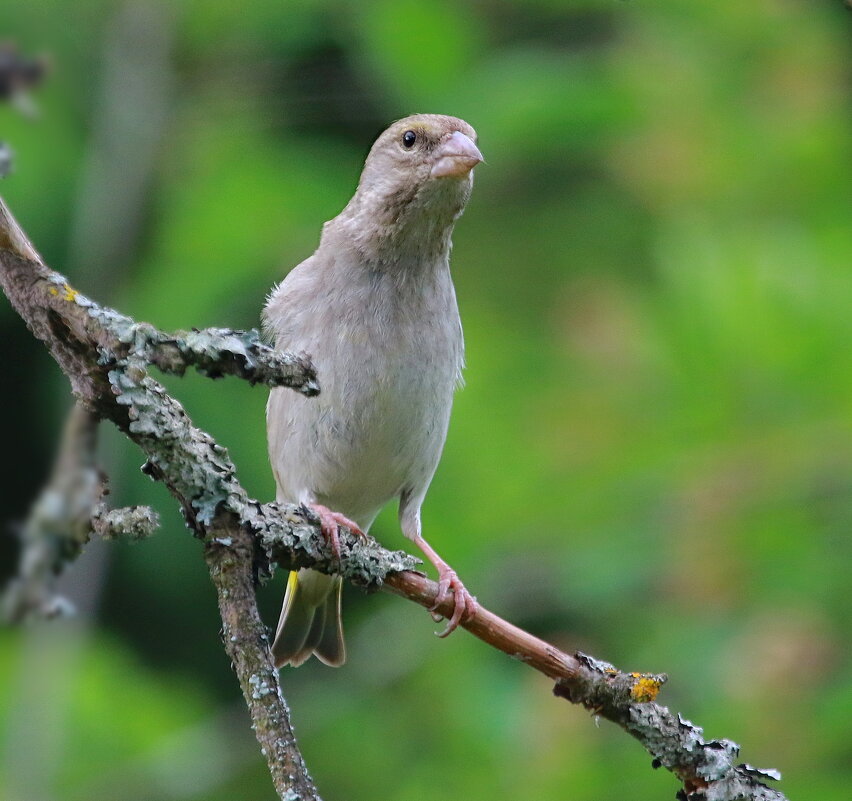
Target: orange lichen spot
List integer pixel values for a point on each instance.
(645, 689)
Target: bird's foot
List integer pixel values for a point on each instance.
(330, 523)
(464, 604)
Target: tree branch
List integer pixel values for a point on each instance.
(59, 524)
(66, 513)
(106, 364)
(106, 356)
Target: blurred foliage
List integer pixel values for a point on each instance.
(651, 460)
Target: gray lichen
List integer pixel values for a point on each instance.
(58, 526)
(201, 471)
(707, 768)
(129, 522)
(214, 352)
(595, 664)
(259, 686)
(288, 532)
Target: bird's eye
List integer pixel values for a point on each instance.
(409, 138)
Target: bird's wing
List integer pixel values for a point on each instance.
(287, 318)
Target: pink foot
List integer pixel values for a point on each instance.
(464, 604)
(330, 523)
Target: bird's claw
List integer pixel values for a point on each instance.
(464, 604)
(330, 523)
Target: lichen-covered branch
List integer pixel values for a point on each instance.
(127, 523)
(707, 768)
(65, 514)
(106, 356)
(216, 352)
(59, 523)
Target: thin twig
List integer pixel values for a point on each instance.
(708, 768)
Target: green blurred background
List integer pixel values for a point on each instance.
(651, 460)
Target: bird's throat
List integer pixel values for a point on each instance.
(406, 227)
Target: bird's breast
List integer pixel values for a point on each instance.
(387, 383)
(388, 350)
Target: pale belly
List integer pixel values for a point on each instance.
(368, 437)
(388, 358)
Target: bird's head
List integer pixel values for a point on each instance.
(416, 180)
(422, 150)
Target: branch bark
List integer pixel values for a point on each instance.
(59, 524)
(106, 357)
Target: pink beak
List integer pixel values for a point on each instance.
(455, 156)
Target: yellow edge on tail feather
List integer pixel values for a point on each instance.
(290, 592)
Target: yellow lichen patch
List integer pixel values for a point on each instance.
(645, 689)
(70, 293)
(53, 290)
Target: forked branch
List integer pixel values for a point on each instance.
(106, 356)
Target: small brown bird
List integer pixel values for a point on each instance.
(375, 308)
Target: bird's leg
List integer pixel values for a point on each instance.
(330, 523)
(464, 604)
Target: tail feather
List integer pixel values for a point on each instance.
(330, 648)
(310, 620)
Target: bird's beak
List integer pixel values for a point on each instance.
(455, 156)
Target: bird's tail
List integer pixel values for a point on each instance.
(310, 620)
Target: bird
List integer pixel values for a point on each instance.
(375, 309)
